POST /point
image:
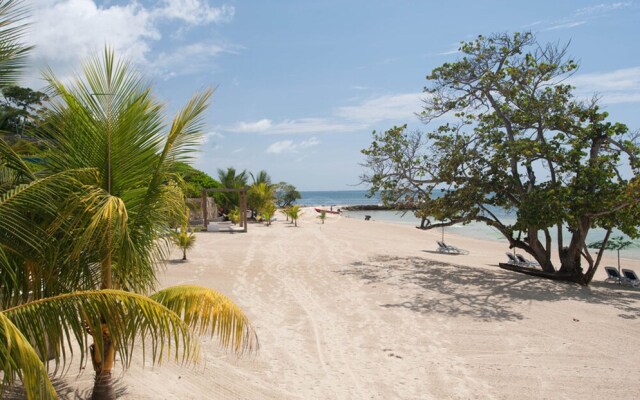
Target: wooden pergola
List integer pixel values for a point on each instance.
(242, 205)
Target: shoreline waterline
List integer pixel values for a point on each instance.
(334, 200)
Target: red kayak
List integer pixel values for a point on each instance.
(320, 210)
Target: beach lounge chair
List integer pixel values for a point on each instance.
(630, 277)
(445, 248)
(526, 263)
(612, 275)
(512, 259)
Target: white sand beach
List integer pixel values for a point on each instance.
(367, 310)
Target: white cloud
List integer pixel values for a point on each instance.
(296, 126)
(602, 8)
(289, 146)
(309, 143)
(210, 136)
(619, 86)
(63, 29)
(398, 107)
(194, 57)
(195, 12)
(282, 146)
(262, 125)
(582, 16)
(565, 25)
(453, 49)
(66, 32)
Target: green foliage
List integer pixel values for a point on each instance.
(195, 180)
(322, 216)
(267, 212)
(259, 196)
(184, 238)
(285, 194)
(96, 218)
(234, 215)
(230, 179)
(13, 53)
(519, 141)
(294, 213)
(261, 177)
(21, 109)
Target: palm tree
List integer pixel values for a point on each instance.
(13, 53)
(259, 195)
(322, 216)
(77, 244)
(184, 238)
(261, 177)
(294, 213)
(267, 211)
(230, 179)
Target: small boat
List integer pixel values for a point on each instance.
(320, 210)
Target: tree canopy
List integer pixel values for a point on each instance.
(285, 194)
(510, 135)
(195, 180)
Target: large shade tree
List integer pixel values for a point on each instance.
(81, 241)
(517, 140)
(285, 194)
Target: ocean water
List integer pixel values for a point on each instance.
(337, 198)
(474, 229)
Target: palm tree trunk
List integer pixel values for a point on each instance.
(184, 254)
(103, 364)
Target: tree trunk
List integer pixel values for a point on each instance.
(103, 387)
(184, 254)
(103, 364)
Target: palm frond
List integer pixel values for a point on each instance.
(51, 324)
(12, 161)
(18, 359)
(186, 128)
(24, 208)
(208, 311)
(13, 54)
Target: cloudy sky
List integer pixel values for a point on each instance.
(301, 84)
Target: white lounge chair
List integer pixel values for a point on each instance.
(445, 248)
(526, 263)
(612, 275)
(512, 259)
(630, 277)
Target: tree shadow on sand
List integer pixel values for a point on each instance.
(66, 389)
(481, 293)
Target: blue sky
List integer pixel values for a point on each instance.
(302, 84)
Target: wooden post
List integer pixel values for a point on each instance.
(244, 208)
(241, 221)
(205, 213)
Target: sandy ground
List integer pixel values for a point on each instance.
(368, 310)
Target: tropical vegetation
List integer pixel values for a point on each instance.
(195, 180)
(184, 238)
(294, 213)
(231, 179)
(80, 241)
(285, 194)
(517, 139)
